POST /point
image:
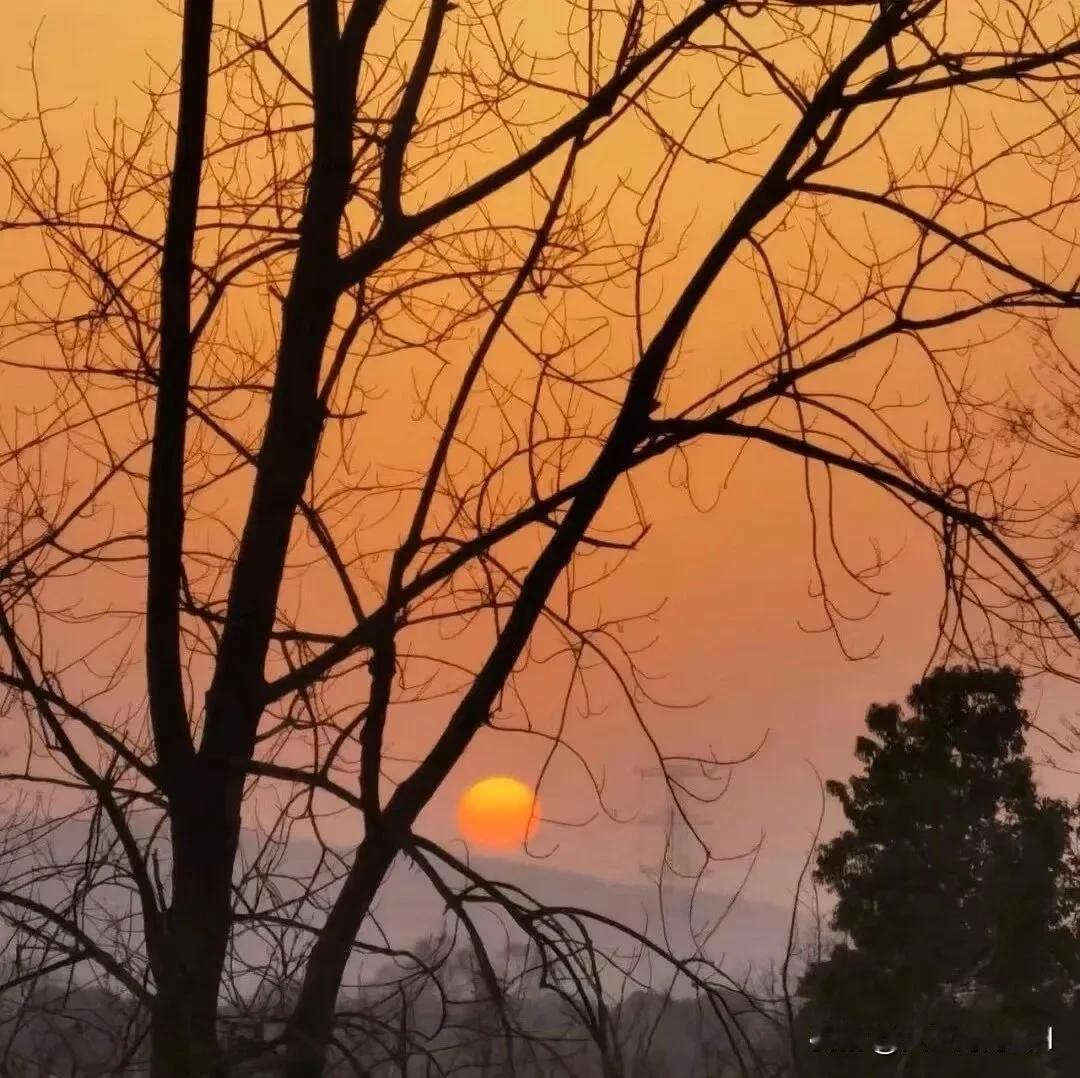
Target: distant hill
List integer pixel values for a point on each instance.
(751, 934)
(85, 1030)
(744, 939)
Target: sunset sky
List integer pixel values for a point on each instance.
(732, 571)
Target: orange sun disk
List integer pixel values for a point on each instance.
(498, 812)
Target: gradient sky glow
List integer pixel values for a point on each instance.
(726, 564)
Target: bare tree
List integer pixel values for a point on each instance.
(328, 196)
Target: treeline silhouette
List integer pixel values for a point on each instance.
(394, 1030)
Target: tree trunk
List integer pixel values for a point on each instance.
(183, 1025)
(312, 1023)
(204, 841)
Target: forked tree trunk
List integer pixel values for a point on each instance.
(207, 786)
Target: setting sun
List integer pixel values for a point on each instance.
(498, 812)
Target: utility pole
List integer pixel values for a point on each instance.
(678, 854)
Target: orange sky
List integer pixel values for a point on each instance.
(735, 579)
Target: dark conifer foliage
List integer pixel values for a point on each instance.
(956, 895)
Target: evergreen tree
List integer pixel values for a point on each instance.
(955, 896)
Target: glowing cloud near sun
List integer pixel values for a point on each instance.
(498, 813)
